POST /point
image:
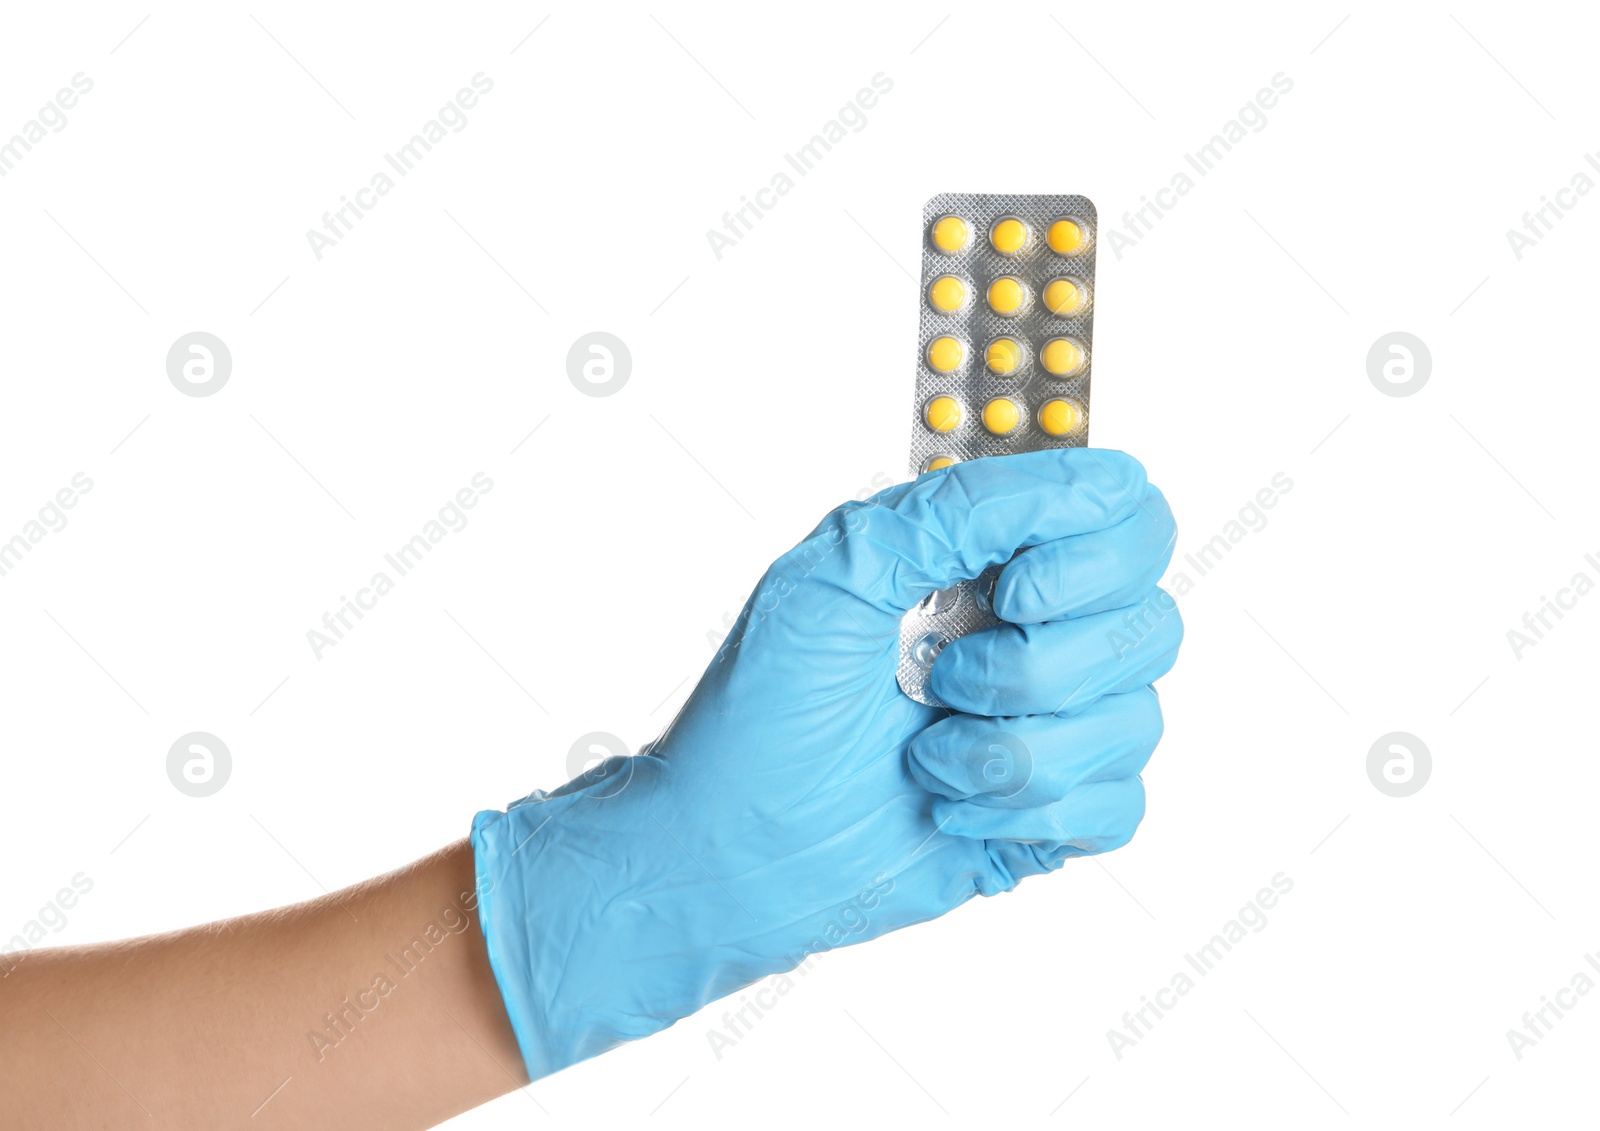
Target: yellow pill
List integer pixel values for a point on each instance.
(1064, 237)
(1006, 295)
(938, 463)
(950, 234)
(1063, 297)
(1001, 416)
(945, 354)
(1009, 236)
(1059, 417)
(1061, 357)
(942, 414)
(1003, 356)
(947, 293)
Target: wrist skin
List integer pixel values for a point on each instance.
(373, 1007)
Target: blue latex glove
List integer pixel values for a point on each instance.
(801, 801)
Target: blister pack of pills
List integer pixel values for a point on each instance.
(1004, 343)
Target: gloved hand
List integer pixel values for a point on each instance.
(801, 801)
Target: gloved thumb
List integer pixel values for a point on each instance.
(893, 549)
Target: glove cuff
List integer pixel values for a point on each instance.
(501, 917)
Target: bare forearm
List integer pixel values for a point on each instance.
(374, 1007)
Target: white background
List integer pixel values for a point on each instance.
(1231, 345)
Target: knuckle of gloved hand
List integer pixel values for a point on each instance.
(1026, 588)
(1168, 603)
(1155, 721)
(1116, 479)
(1116, 825)
(1023, 660)
(1156, 505)
(933, 761)
(1147, 723)
(1149, 735)
(969, 674)
(1146, 629)
(1129, 815)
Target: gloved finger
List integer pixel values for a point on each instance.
(1089, 573)
(1094, 817)
(1061, 667)
(1020, 859)
(1014, 861)
(947, 526)
(1034, 760)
